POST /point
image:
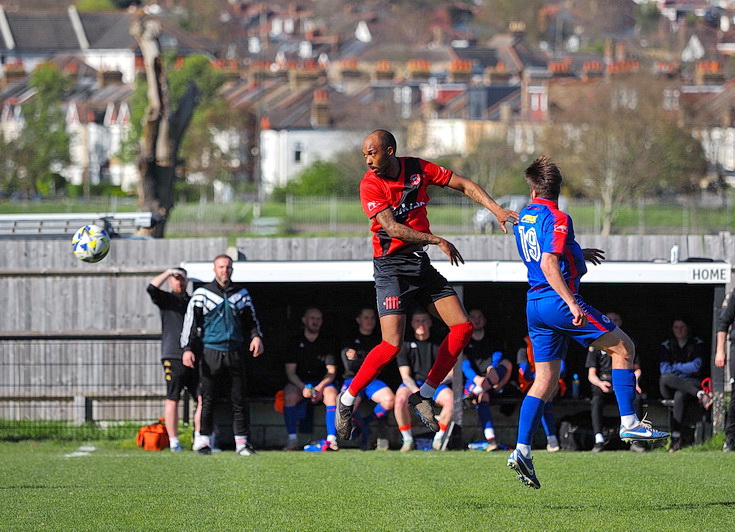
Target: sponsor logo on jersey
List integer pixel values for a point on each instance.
(561, 229)
(391, 303)
(415, 179)
(529, 218)
(403, 208)
(371, 205)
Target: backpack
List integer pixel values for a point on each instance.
(153, 437)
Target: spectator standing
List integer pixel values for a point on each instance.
(724, 324)
(353, 355)
(393, 193)
(178, 376)
(223, 318)
(311, 367)
(681, 366)
(486, 372)
(599, 373)
(415, 361)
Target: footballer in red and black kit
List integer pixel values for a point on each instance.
(393, 194)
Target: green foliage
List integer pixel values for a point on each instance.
(95, 5)
(339, 177)
(320, 179)
(43, 144)
(122, 487)
(96, 190)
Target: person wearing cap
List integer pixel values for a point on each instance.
(172, 305)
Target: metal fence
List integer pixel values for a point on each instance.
(450, 214)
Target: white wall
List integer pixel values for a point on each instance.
(278, 151)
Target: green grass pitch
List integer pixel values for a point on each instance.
(119, 487)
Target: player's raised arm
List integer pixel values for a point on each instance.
(398, 230)
(478, 194)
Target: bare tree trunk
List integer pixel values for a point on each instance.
(159, 145)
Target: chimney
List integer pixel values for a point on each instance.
(320, 109)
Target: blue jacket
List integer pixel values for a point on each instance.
(224, 318)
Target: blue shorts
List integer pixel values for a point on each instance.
(436, 393)
(550, 327)
(372, 388)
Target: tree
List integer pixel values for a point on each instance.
(616, 143)
(495, 166)
(163, 129)
(32, 161)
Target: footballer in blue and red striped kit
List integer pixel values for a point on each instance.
(555, 313)
(393, 193)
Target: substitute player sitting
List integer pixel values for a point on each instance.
(556, 312)
(394, 195)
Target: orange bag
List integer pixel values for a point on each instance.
(153, 437)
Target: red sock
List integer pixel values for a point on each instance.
(457, 339)
(375, 360)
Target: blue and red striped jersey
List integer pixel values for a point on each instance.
(543, 228)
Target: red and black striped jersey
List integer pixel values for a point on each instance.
(406, 196)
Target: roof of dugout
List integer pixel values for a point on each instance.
(695, 272)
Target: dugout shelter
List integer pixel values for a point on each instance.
(648, 295)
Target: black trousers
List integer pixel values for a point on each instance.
(681, 391)
(599, 400)
(220, 373)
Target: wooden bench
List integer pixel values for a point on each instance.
(56, 225)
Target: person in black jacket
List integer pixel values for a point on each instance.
(682, 365)
(178, 376)
(223, 317)
(724, 324)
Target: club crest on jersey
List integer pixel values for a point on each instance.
(561, 229)
(415, 179)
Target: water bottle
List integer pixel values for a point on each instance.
(477, 446)
(575, 386)
(310, 387)
(675, 254)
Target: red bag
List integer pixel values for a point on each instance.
(153, 437)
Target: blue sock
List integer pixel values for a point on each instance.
(291, 416)
(483, 413)
(623, 381)
(548, 420)
(530, 416)
(329, 419)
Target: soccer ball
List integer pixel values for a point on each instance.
(91, 243)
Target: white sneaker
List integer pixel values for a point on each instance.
(199, 442)
(245, 450)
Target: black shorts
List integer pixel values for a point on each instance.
(179, 377)
(402, 278)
